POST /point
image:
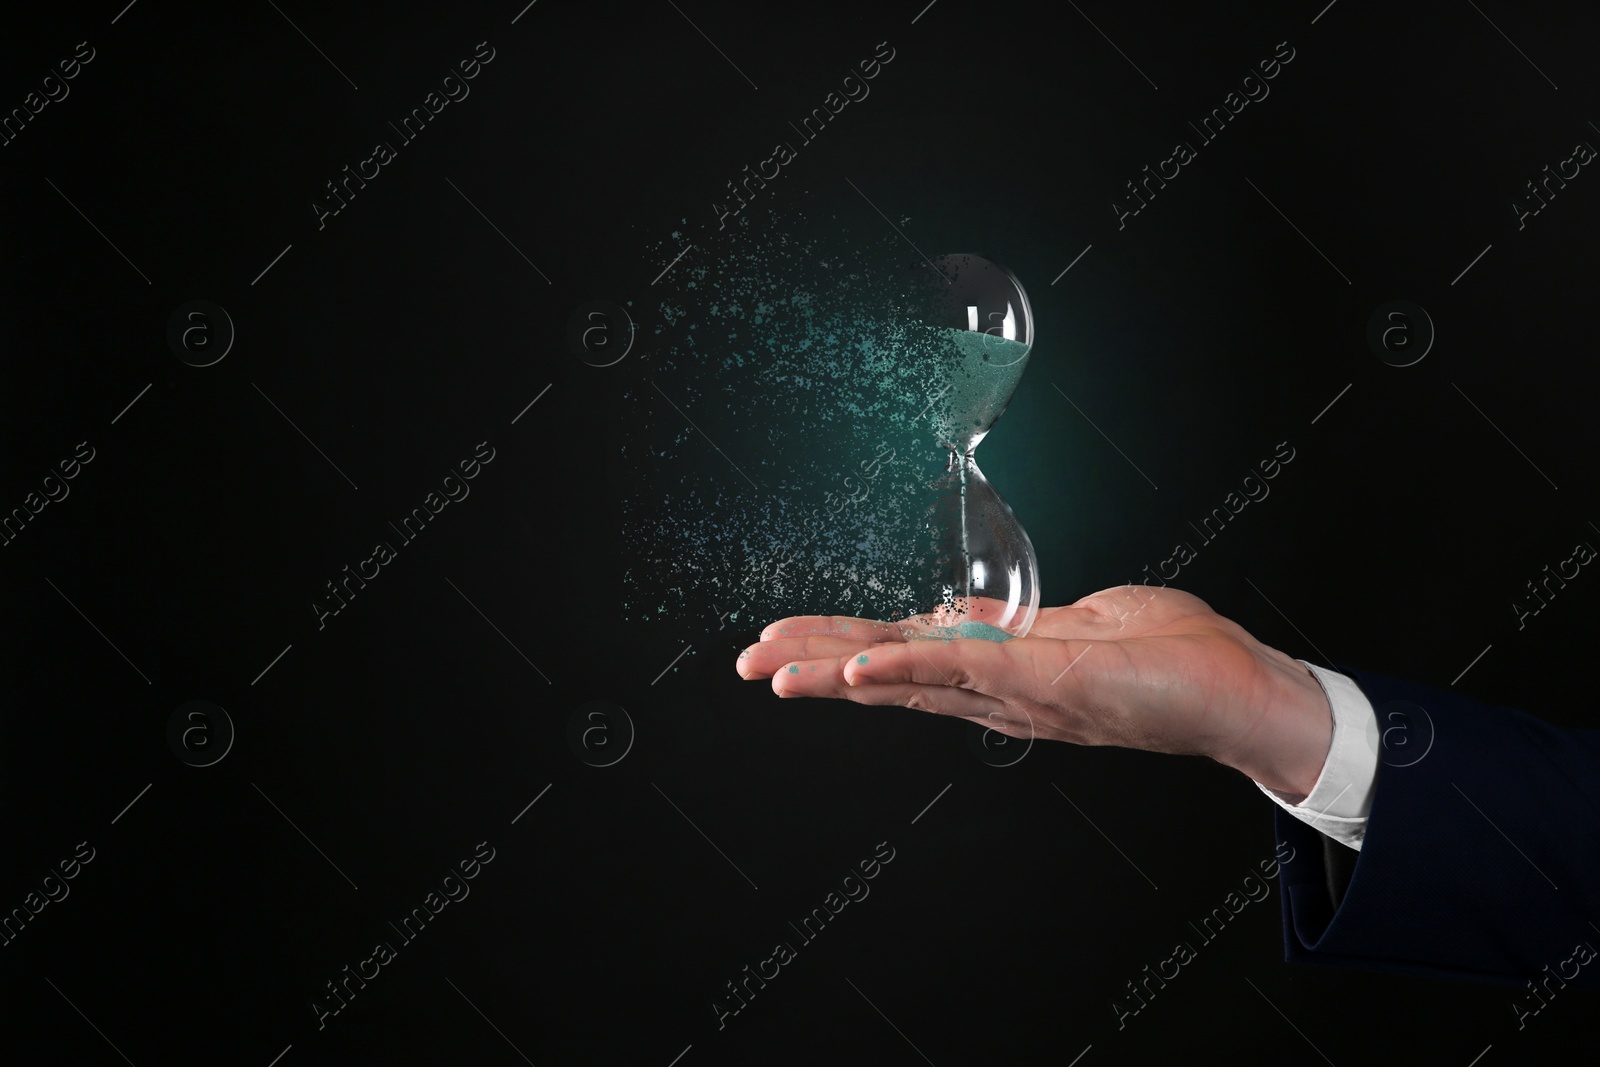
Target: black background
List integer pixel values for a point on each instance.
(426, 716)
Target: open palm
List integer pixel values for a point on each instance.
(1132, 666)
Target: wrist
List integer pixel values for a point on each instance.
(1289, 745)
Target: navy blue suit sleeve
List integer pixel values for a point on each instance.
(1481, 859)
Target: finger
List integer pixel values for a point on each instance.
(1000, 723)
(985, 666)
(936, 699)
(830, 625)
(821, 678)
(763, 659)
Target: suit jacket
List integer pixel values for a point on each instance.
(1481, 860)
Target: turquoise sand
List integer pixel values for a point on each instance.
(980, 631)
(979, 373)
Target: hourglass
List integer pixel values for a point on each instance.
(974, 570)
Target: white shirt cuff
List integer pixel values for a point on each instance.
(1339, 803)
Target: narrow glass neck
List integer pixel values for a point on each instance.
(958, 458)
(965, 441)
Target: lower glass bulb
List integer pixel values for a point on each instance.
(975, 561)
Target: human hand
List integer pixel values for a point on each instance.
(1132, 666)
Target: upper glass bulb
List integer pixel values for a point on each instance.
(977, 328)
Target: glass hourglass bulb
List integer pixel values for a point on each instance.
(974, 565)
